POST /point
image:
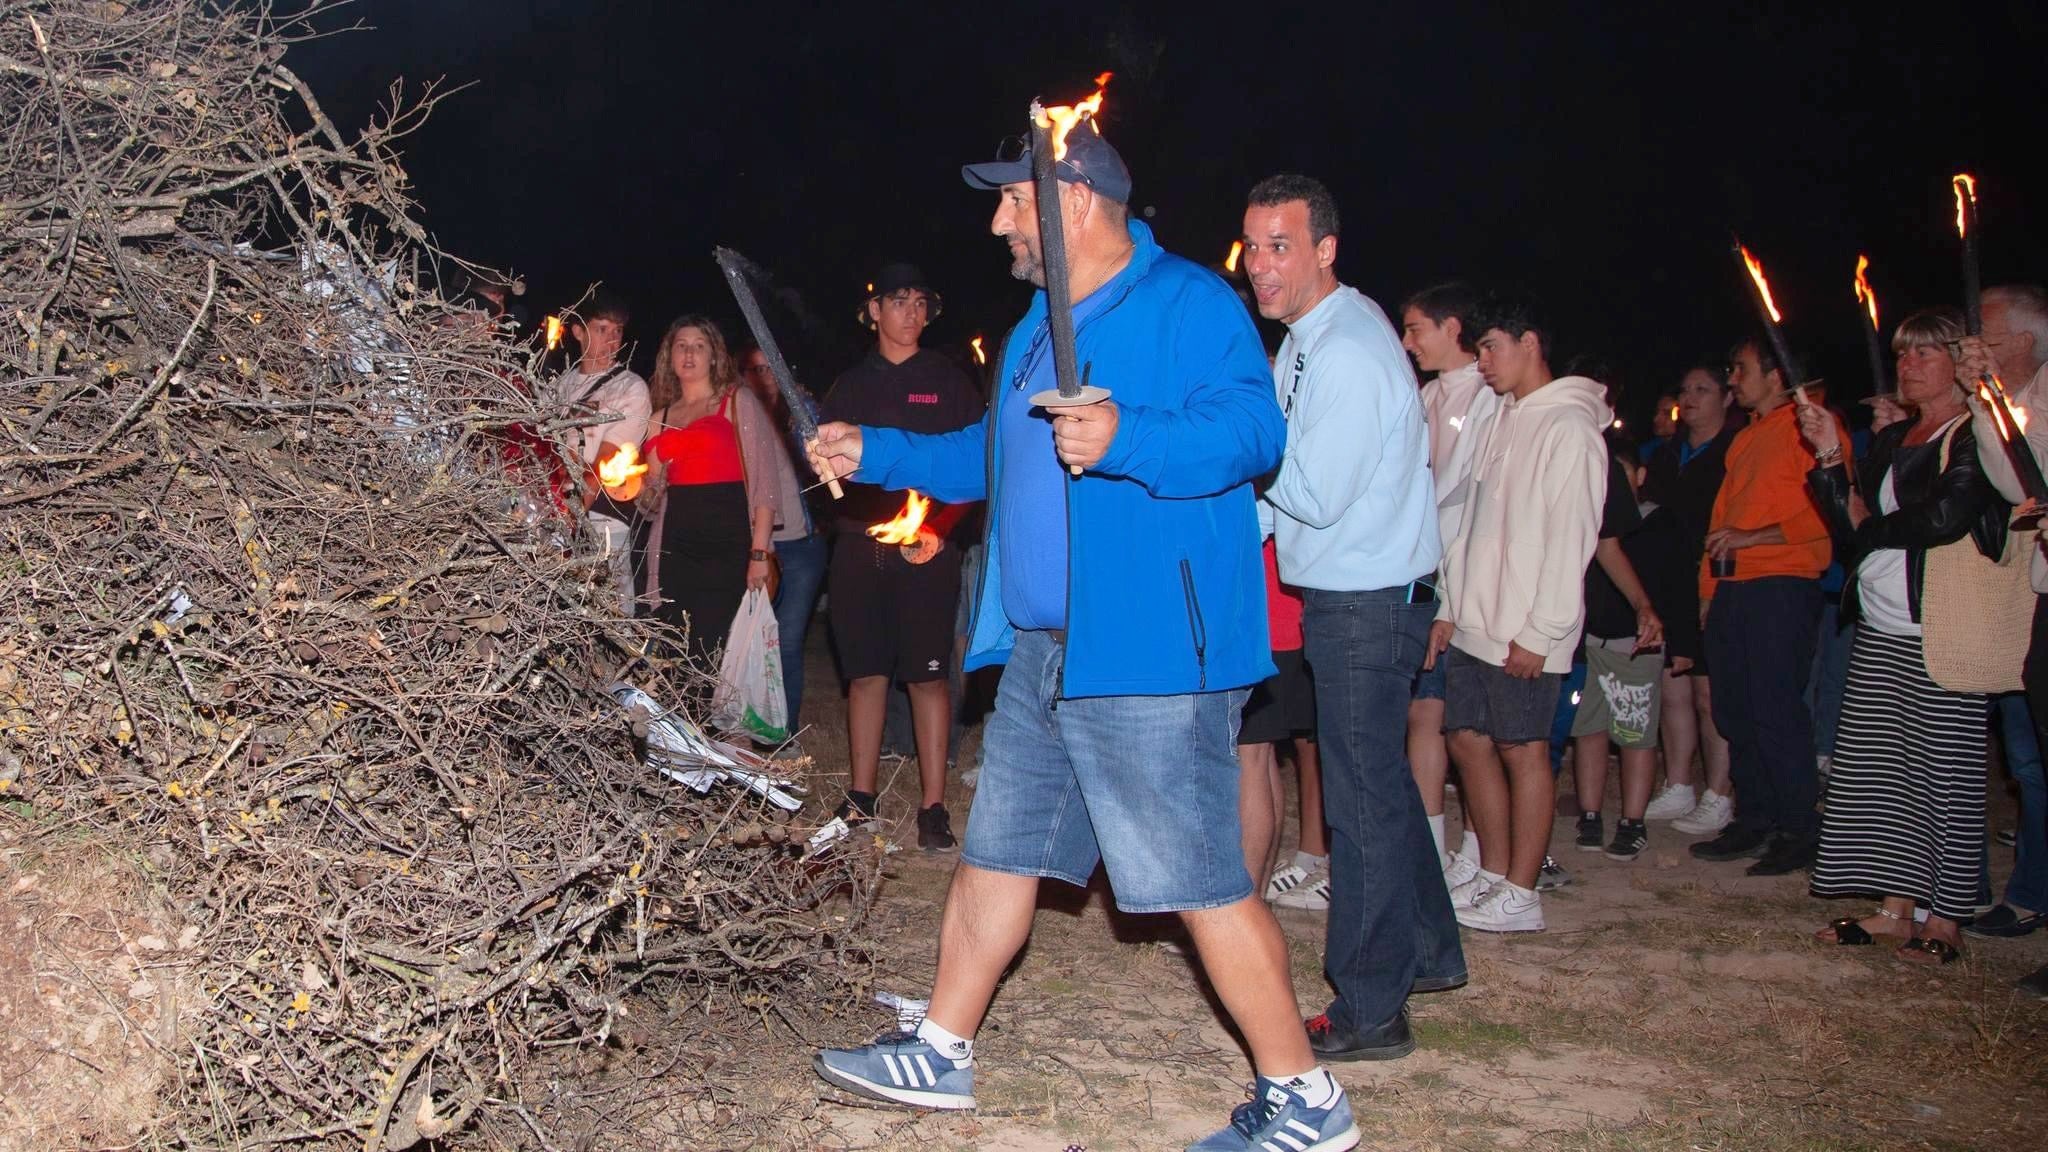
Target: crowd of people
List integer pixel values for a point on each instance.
(1238, 563)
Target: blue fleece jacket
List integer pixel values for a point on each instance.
(1167, 590)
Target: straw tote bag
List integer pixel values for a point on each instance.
(1977, 614)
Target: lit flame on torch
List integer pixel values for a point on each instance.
(621, 474)
(907, 523)
(2019, 414)
(554, 333)
(1064, 118)
(1966, 198)
(980, 357)
(1763, 286)
(1236, 250)
(1865, 294)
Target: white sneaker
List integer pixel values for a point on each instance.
(1286, 880)
(1713, 813)
(1674, 801)
(1459, 869)
(1313, 896)
(1472, 891)
(1505, 908)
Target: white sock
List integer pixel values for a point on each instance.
(958, 1049)
(1492, 878)
(1470, 848)
(1308, 863)
(1316, 1086)
(1436, 833)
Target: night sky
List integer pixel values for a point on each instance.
(1595, 160)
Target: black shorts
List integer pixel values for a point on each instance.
(1283, 705)
(891, 617)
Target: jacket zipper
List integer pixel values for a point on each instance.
(1196, 629)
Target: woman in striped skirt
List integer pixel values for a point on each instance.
(1905, 802)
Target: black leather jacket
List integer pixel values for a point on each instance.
(1936, 505)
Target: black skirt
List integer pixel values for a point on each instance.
(705, 536)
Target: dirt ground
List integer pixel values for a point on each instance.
(1670, 1005)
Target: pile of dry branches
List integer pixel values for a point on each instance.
(280, 623)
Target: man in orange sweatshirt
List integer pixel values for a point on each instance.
(1760, 604)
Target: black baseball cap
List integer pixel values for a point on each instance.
(895, 278)
(1090, 160)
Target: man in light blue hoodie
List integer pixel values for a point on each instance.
(1354, 519)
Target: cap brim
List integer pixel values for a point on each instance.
(996, 173)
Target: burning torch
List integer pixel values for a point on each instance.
(1049, 129)
(906, 530)
(733, 265)
(1880, 380)
(2010, 422)
(1767, 311)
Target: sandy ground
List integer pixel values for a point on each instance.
(1670, 1005)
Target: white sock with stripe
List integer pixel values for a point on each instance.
(1308, 863)
(1315, 1086)
(1436, 833)
(958, 1049)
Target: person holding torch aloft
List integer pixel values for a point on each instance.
(1123, 584)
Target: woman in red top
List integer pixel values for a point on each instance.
(714, 495)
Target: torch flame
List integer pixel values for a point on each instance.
(554, 333)
(624, 466)
(904, 528)
(1064, 118)
(1236, 250)
(1763, 286)
(1966, 198)
(2019, 414)
(1865, 294)
(980, 357)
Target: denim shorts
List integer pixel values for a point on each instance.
(1146, 785)
(1429, 683)
(1483, 698)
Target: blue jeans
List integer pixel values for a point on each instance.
(1147, 785)
(1390, 915)
(1830, 673)
(2028, 887)
(803, 573)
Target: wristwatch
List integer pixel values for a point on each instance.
(757, 554)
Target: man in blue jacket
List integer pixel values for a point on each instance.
(1129, 603)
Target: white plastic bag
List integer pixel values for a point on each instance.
(749, 696)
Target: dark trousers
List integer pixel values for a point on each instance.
(1390, 916)
(1759, 643)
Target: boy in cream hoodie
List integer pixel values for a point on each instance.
(1512, 605)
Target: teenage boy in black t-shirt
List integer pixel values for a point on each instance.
(892, 607)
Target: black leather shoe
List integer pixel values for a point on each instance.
(2002, 923)
(1785, 856)
(2034, 984)
(1389, 1041)
(1437, 983)
(1734, 843)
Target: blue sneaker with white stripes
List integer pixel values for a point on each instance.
(901, 1069)
(1278, 1119)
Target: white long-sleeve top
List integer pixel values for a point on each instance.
(1997, 469)
(1459, 408)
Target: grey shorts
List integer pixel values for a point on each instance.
(1483, 698)
(1623, 693)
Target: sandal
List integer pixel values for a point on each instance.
(1927, 950)
(1849, 930)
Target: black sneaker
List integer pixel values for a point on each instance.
(1630, 838)
(935, 829)
(1590, 832)
(1786, 855)
(1550, 877)
(857, 808)
(1734, 843)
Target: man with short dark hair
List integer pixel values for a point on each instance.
(1129, 600)
(1760, 604)
(1512, 606)
(1354, 523)
(600, 387)
(1436, 329)
(885, 598)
